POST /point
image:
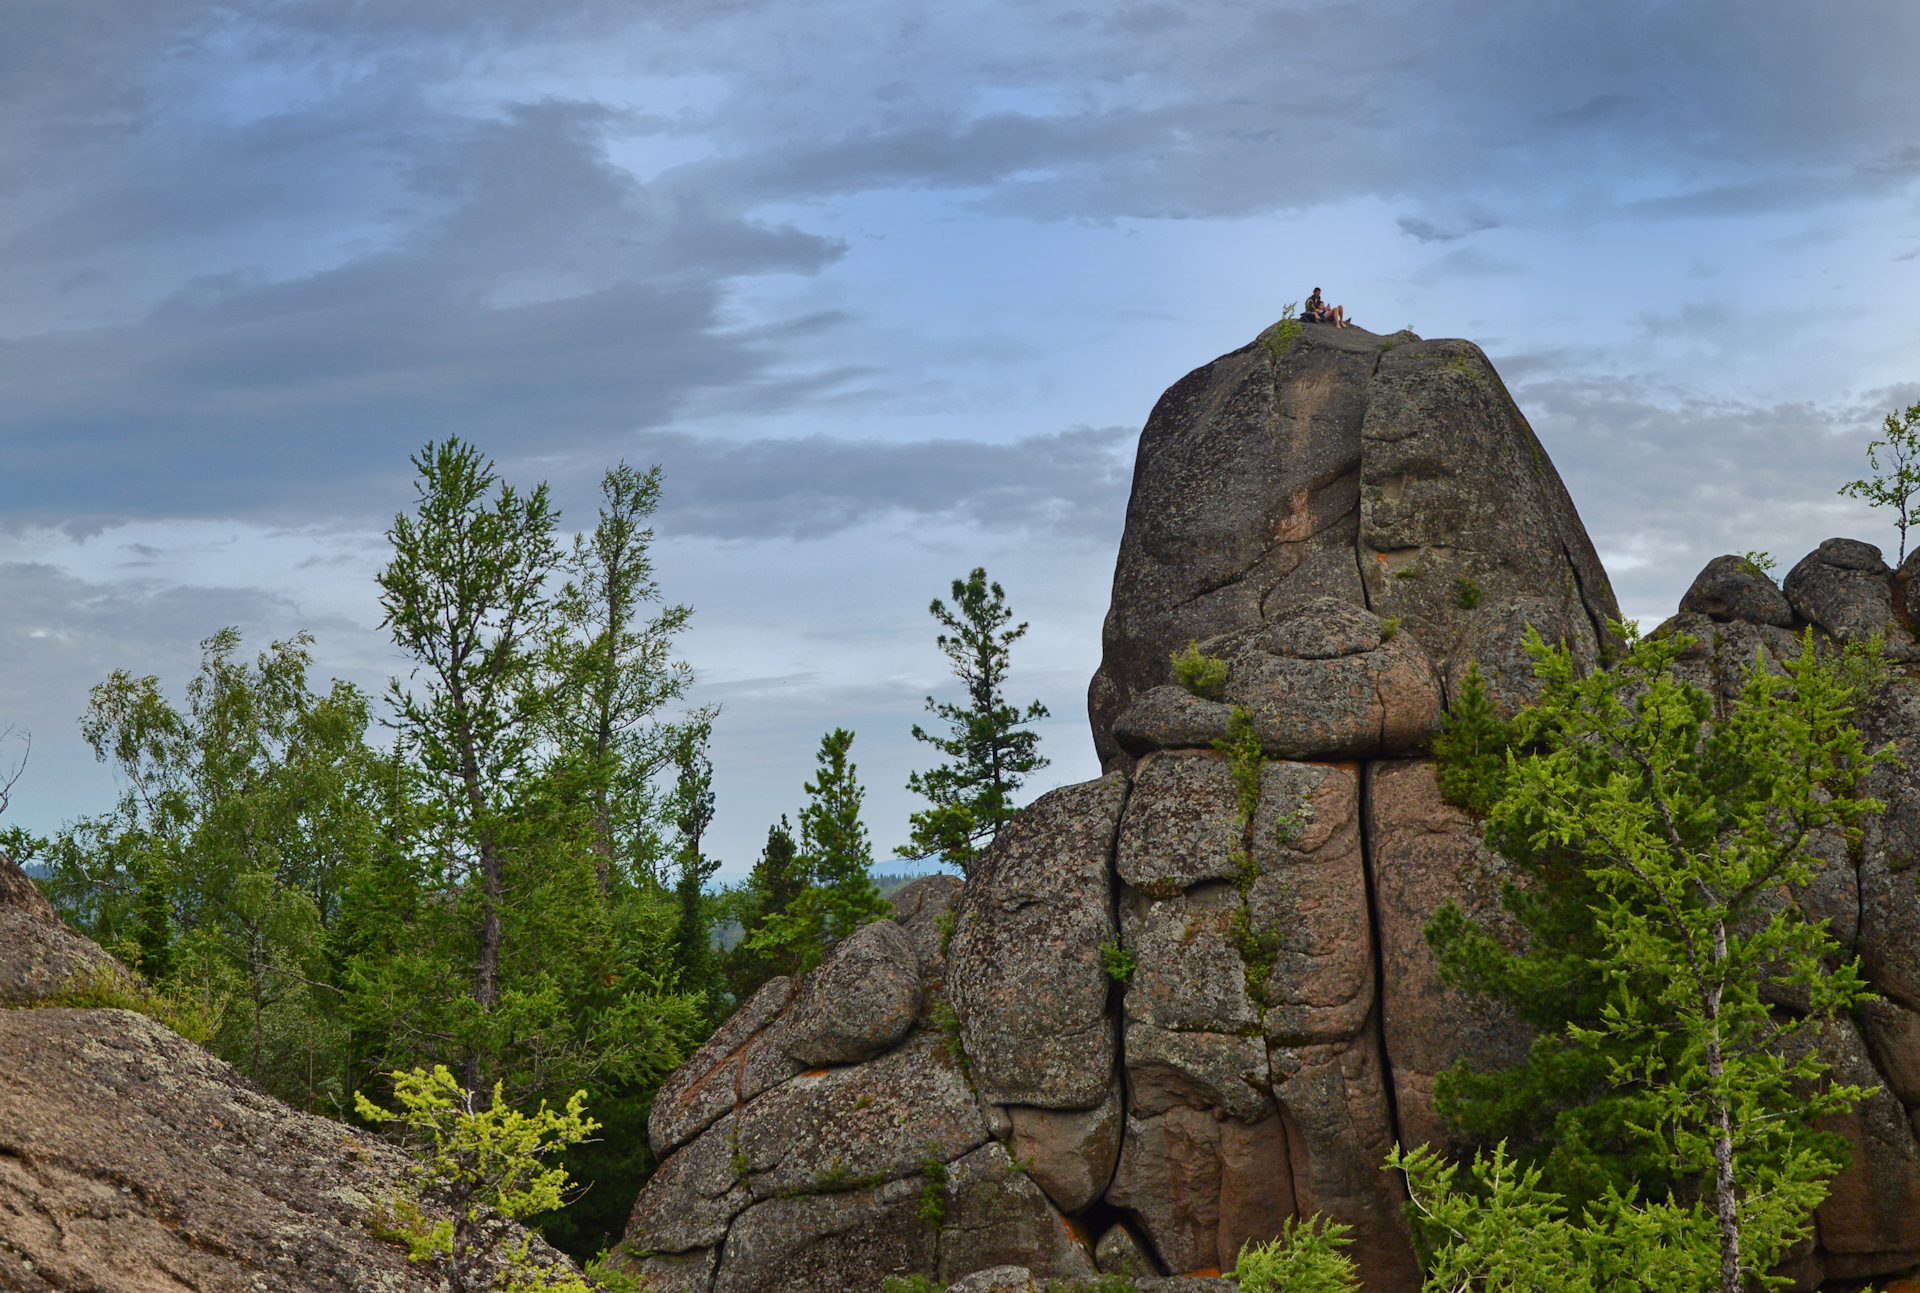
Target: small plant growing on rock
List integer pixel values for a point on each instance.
(194, 1015)
(933, 1191)
(1117, 960)
(1280, 340)
(1203, 675)
(948, 1022)
(476, 1166)
(945, 922)
(1389, 628)
(1466, 593)
(1759, 564)
(915, 1283)
(1305, 1258)
(1244, 758)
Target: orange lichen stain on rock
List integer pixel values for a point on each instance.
(814, 1073)
(1205, 1273)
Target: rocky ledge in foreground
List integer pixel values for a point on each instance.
(1349, 522)
(132, 1161)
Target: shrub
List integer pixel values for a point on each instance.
(1466, 592)
(1203, 675)
(1119, 961)
(473, 1164)
(195, 1017)
(1389, 627)
(1306, 1258)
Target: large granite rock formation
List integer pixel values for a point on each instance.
(1151, 1027)
(133, 1161)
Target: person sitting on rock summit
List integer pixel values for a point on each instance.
(1318, 311)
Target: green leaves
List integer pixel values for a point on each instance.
(1657, 840)
(475, 1160)
(1895, 481)
(1304, 1258)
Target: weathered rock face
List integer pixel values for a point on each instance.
(1172, 1018)
(39, 955)
(1397, 479)
(132, 1160)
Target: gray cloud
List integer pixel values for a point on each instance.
(1072, 483)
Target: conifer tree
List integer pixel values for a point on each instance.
(839, 858)
(990, 757)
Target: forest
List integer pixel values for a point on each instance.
(498, 866)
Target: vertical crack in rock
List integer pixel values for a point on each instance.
(1379, 966)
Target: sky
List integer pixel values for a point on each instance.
(887, 290)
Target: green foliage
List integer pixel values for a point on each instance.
(1470, 752)
(1389, 627)
(1118, 961)
(1502, 1229)
(1245, 759)
(195, 1017)
(948, 1023)
(803, 901)
(945, 923)
(1199, 673)
(499, 892)
(933, 1192)
(1304, 1258)
(475, 1160)
(915, 1283)
(971, 796)
(1759, 564)
(1655, 840)
(1894, 483)
(1282, 335)
(220, 874)
(1466, 593)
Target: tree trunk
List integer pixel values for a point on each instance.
(1726, 1204)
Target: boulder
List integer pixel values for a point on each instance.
(1243, 498)
(736, 1064)
(1422, 854)
(132, 1160)
(860, 1002)
(1892, 1034)
(1069, 1153)
(871, 1122)
(1200, 1186)
(827, 1243)
(996, 1279)
(1844, 587)
(1025, 970)
(993, 1216)
(1179, 828)
(1733, 588)
(918, 908)
(1318, 683)
(1722, 655)
(1120, 1253)
(694, 1196)
(39, 956)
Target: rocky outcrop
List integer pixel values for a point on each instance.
(1393, 475)
(132, 1160)
(1177, 1006)
(40, 958)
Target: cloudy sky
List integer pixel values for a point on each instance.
(888, 290)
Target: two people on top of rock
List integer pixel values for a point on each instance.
(1318, 311)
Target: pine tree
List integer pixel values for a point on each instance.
(990, 756)
(778, 878)
(838, 856)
